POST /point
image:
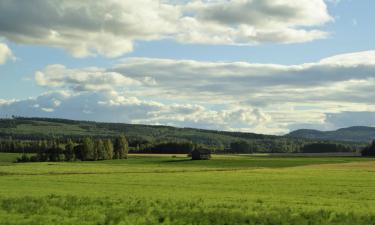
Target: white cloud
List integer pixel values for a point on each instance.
(86, 27)
(342, 78)
(87, 79)
(303, 93)
(110, 27)
(242, 96)
(253, 21)
(5, 53)
(116, 108)
(351, 59)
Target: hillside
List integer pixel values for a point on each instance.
(35, 128)
(146, 136)
(351, 134)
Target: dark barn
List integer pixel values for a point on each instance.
(201, 154)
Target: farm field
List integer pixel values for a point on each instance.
(162, 189)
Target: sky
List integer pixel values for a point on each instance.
(263, 66)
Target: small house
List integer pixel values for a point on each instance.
(201, 154)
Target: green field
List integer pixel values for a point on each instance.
(175, 190)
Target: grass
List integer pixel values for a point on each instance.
(164, 190)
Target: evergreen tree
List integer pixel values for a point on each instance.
(108, 148)
(240, 147)
(121, 148)
(69, 151)
(42, 153)
(55, 152)
(100, 150)
(88, 151)
(78, 152)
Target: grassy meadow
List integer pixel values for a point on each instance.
(166, 189)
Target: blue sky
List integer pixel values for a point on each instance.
(193, 64)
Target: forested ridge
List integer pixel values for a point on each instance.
(21, 134)
(349, 134)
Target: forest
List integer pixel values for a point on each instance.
(66, 140)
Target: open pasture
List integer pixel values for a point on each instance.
(157, 189)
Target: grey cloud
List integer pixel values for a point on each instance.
(258, 82)
(85, 27)
(271, 98)
(260, 12)
(254, 21)
(218, 95)
(111, 27)
(86, 79)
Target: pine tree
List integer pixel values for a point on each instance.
(121, 148)
(108, 148)
(88, 149)
(69, 151)
(100, 150)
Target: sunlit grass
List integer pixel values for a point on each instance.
(176, 190)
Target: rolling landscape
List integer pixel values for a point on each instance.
(170, 188)
(350, 134)
(187, 112)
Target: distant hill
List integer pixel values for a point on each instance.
(36, 128)
(22, 128)
(350, 134)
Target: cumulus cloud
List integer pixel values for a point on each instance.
(116, 108)
(86, 27)
(110, 27)
(335, 79)
(87, 79)
(254, 21)
(5, 53)
(244, 96)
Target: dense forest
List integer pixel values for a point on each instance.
(59, 136)
(54, 151)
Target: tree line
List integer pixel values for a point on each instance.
(86, 150)
(369, 151)
(97, 148)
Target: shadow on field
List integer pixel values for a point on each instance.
(252, 162)
(177, 161)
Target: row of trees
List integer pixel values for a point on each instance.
(166, 148)
(325, 148)
(285, 147)
(86, 150)
(241, 147)
(369, 150)
(59, 149)
(97, 149)
(20, 146)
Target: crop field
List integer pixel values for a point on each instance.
(166, 189)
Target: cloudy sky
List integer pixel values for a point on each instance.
(265, 66)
